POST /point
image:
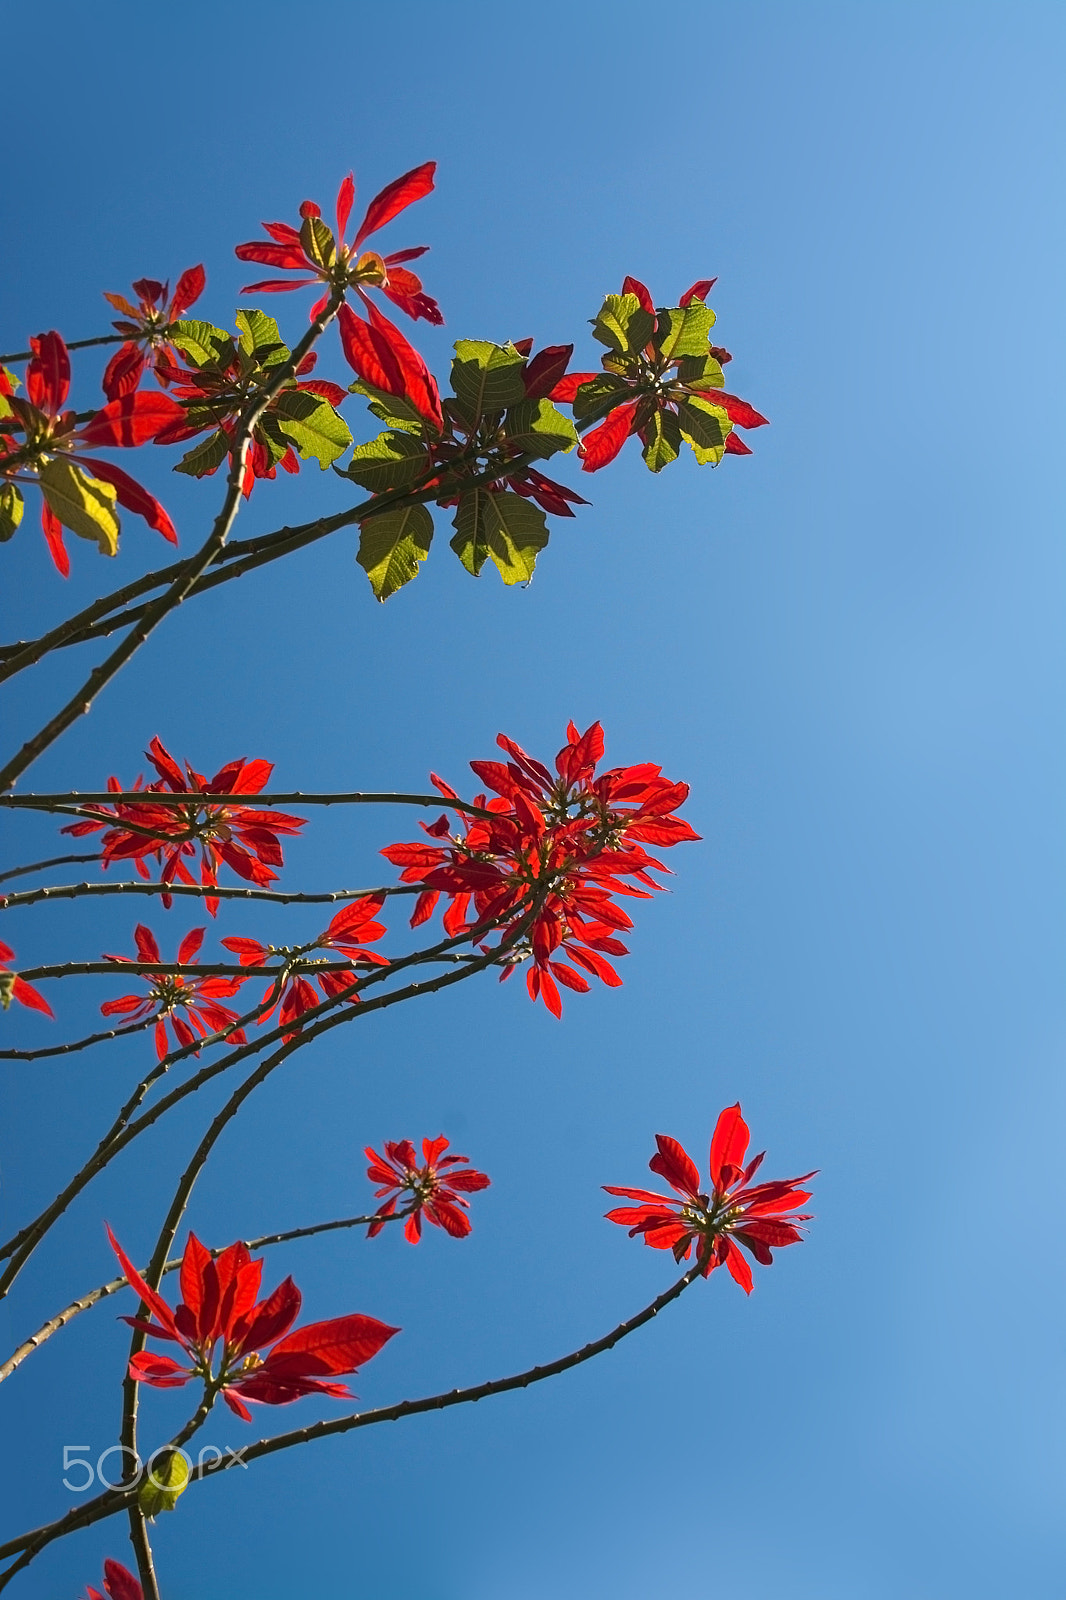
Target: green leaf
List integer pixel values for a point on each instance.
(701, 372)
(318, 241)
(11, 509)
(7, 990)
(504, 526)
(538, 429)
(663, 440)
(259, 336)
(12, 378)
(706, 429)
(487, 377)
(83, 504)
(391, 461)
(684, 330)
(392, 545)
(205, 457)
(202, 342)
(166, 1480)
(390, 409)
(312, 425)
(623, 324)
(600, 395)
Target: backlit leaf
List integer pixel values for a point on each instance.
(684, 330)
(165, 1481)
(538, 429)
(662, 440)
(504, 526)
(392, 545)
(202, 342)
(706, 429)
(84, 505)
(11, 508)
(487, 377)
(391, 461)
(205, 457)
(602, 394)
(702, 372)
(259, 336)
(313, 426)
(623, 324)
(392, 409)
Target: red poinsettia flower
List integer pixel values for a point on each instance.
(434, 1188)
(219, 1307)
(39, 440)
(323, 257)
(119, 1584)
(656, 394)
(564, 841)
(350, 930)
(146, 326)
(12, 987)
(172, 992)
(245, 839)
(734, 1212)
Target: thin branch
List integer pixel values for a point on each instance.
(142, 1550)
(76, 804)
(102, 674)
(170, 969)
(85, 1302)
(74, 891)
(106, 1505)
(76, 1044)
(40, 866)
(74, 344)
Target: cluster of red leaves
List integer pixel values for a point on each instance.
(220, 1308)
(37, 428)
(735, 1212)
(556, 846)
(245, 839)
(146, 326)
(349, 932)
(119, 1584)
(169, 993)
(434, 1188)
(322, 256)
(12, 987)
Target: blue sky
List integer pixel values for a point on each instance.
(850, 645)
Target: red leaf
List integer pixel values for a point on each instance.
(567, 387)
(602, 445)
(123, 371)
(735, 446)
(728, 1144)
(673, 1163)
(190, 287)
(737, 410)
(132, 419)
(546, 370)
(394, 198)
(135, 498)
(48, 374)
(162, 1372)
(272, 255)
(341, 1345)
(53, 532)
(120, 1583)
(634, 286)
(699, 291)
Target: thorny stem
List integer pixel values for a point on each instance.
(75, 344)
(40, 866)
(74, 891)
(85, 1302)
(76, 804)
(107, 1504)
(102, 674)
(142, 1549)
(76, 1044)
(123, 1132)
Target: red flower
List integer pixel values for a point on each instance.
(245, 839)
(563, 840)
(38, 439)
(734, 1213)
(146, 331)
(662, 380)
(12, 987)
(432, 1188)
(322, 256)
(349, 931)
(170, 992)
(119, 1584)
(219, 1305)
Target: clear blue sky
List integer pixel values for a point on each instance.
(851, 646)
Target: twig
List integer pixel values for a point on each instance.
(39, 866)
(73, 891)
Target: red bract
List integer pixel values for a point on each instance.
(350, 930)
(735, 1212)
(39, 439)
(12, 987)
(147, 328)
(170, 992)
(434, 1188)
(378, 354)
(219, 1307)
(245, 839)
(323, 257)
(554, 844)
(119, 1584)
